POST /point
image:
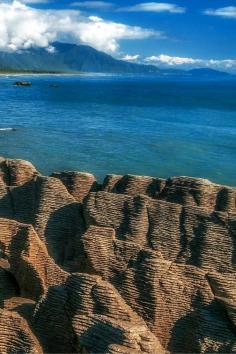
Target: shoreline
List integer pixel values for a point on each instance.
(117, 76)
(135, 179)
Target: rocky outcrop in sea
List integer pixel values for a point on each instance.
(132, 265)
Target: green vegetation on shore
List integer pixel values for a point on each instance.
(15, 72)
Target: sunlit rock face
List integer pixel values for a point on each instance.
(132, 265)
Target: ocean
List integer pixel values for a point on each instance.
(121, 124)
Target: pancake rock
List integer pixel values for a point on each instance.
(15, 335)
(131, 265)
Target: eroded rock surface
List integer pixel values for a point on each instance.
(132, 265)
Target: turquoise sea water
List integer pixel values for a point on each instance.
(114, 124)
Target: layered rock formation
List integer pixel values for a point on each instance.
(133, 265)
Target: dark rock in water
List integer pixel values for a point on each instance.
(22, 83)
(135, 265)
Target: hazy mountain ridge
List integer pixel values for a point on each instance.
(72, 58)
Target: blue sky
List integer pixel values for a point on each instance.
(182, 33)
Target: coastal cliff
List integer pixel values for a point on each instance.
(132, 265)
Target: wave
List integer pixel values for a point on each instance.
(7, 129)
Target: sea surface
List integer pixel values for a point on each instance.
(121, 124)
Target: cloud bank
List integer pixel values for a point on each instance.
(154, 7)
(22, 27)
(227, 12)
(100, 5)
(140, 7)
(33, 2)
(185, 62)
(172, 61)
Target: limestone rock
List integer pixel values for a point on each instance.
(96, 318)
(132, 265)
(189, 235)
(134, 185)
(199, 192)
(16, 172)
(180, 190)
(78, 184)
(16, 336)
(176, 301)
(43, 202)
(28, 259)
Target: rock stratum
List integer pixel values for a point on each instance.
(133, 265)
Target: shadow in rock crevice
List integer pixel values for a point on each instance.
(62, 233)
(207, 326)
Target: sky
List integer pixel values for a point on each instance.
(180, 34)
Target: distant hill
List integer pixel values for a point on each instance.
(71, 58)
(205, 72)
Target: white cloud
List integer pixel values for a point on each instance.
(227, 12)
(32, 2)
(154, 7)
(141, 7)
(133, 58)
(187, 62)
(100, 5)
(22, 27)
(226, 63)
(169, 60)
(105, 35)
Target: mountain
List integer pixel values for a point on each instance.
(205, 72)
(72, 58)
(69, 58)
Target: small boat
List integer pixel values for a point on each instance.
(22, 83)
(53, 85)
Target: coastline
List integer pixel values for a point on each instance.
(76, 74)
(161, 78)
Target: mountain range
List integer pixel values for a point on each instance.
(72, 58)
